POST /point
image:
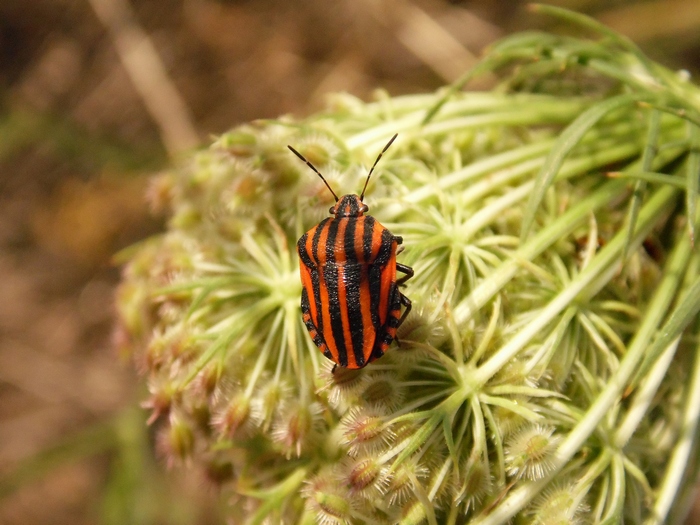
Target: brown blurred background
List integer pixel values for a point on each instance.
(95, 95)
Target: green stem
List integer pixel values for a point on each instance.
(559, 229)
(609, 396)
(566, 142)
(608, 256)
(644, 396)
(640, 186)
(509, 110)
(680, 455)
(273, 497)
(616, 492)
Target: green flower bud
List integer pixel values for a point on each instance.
(176, 442)
(364, 431)
(234, 418)
(330, 503)
(296, 429)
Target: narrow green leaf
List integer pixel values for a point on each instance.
(418, 439)
(517, 408)
(571, 136)
(521, 390)
(681, 113)
(593, 25)
(653, 177)
(680, 461)
(449, 439)
(650, 149)
(677, 322)
(616, 498)
(199, 300)
(693, 179)
(425, 502)
(272, 497)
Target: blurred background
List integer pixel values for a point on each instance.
(96, 95)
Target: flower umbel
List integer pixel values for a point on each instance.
(549, 367)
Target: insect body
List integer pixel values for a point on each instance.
(351, 302)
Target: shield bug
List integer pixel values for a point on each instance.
(350, 301)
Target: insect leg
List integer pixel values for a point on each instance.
(404, 269)
(407, 303)
(387, 332)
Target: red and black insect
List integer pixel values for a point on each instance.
(351, 302)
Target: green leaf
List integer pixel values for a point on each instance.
(676, 323)
(650, 150)
(593, 25)
(571, 136)
(653, 177)
(693, 179)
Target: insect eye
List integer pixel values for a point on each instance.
(364, 208)
(331, 210)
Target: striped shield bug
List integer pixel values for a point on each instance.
(350, 301)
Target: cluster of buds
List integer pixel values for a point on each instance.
(548, 370)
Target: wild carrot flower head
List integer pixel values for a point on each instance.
(550, 361)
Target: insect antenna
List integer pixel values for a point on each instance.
(316, 171)
(362, 195)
